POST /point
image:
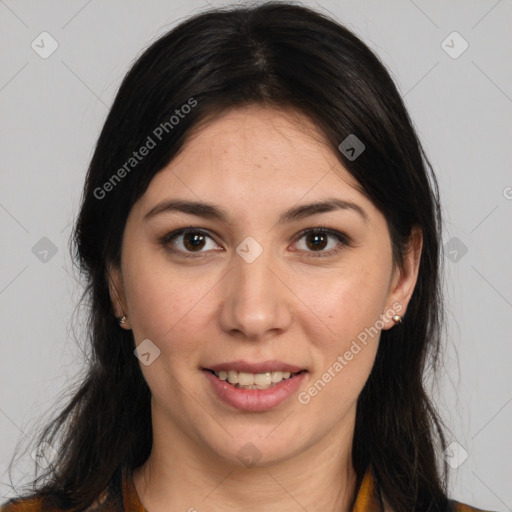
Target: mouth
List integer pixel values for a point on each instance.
(262, 380)
(254, 386)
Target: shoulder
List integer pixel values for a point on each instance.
(462, 507)
(104, 503)
(31, 504)
(110, 499)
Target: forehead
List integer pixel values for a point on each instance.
(254, 156)
(257, 137)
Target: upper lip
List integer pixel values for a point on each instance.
(262, 367)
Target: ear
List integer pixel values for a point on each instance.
(404, 279)
(117, 295)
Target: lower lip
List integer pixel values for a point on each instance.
(254, 400)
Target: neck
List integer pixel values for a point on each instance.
(182, 474)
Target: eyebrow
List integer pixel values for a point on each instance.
(214, 212)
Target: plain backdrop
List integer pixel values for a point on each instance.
(458, 89)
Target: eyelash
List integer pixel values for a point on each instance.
(344, 240)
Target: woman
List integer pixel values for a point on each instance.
(260, 230)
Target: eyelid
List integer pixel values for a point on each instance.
(169, 237)
(342, 238)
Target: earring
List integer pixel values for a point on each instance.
(397, 319)
(122, 320)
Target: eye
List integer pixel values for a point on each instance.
(316, 240)
(193, 240)
(187, 241)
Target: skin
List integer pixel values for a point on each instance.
(255, 163)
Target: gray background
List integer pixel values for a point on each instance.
(52, 110)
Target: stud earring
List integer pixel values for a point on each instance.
(397, 319)
(122, 320)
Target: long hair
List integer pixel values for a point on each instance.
(279, 55)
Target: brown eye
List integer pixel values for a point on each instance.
(193, 241)
(319, 239)
(316, 241)
(188, 241)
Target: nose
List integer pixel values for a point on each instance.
(256, 299)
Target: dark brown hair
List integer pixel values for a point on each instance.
(280, 55)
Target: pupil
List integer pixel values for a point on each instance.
(196, 239)
(317, 237)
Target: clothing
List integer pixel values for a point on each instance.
(123, 496)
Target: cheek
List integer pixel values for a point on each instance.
(166, 308)
(350, 307)
(347, 310)
(347, 301)
(166, 304)
(154, 300)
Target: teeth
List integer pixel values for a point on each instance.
(263, 379)
(253, 381)
(245, 379)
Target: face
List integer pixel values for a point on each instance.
(257, 277)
